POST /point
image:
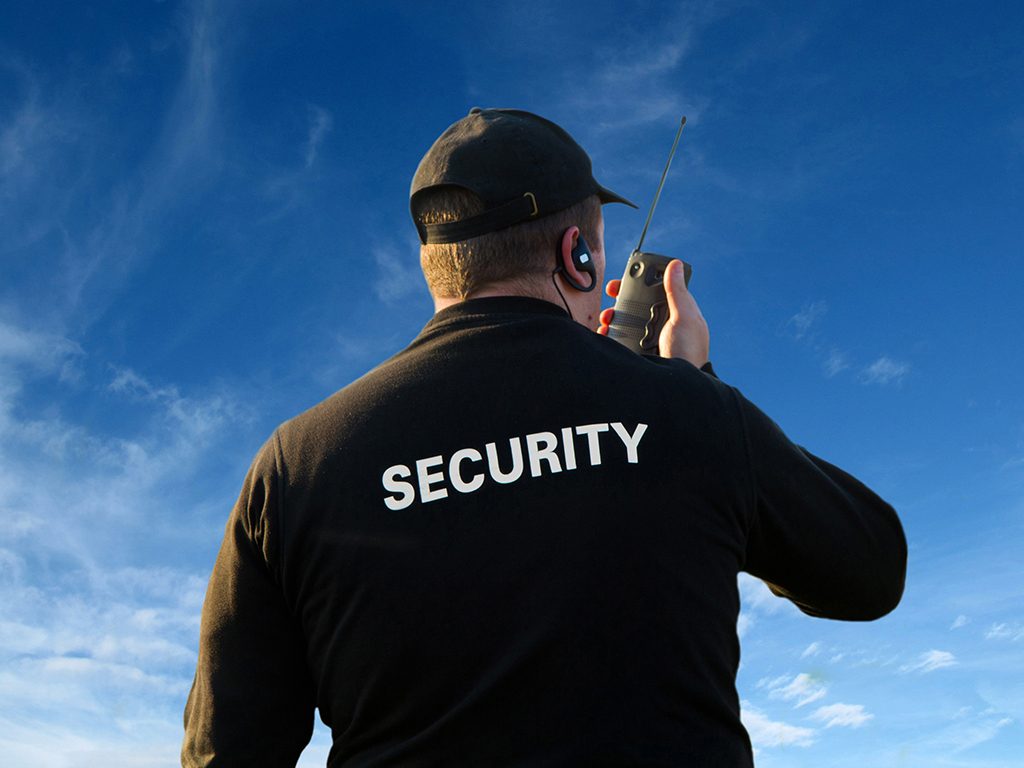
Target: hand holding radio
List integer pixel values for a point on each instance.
(684, 333)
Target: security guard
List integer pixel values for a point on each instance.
(516, 542)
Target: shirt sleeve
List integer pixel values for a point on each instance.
(252, 700)
(818, 536)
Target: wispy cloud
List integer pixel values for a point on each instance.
(800, 324)
(885, 370)
(398, 274)
(959, 621)
(320, 123)
(757, 600)
(39, 351)
(43, 135)
(845, 715)
(929, 661)
(288, 187)
(969, 730)
(804, 327)
(634, 80)
(835, 363)
(93, 622)
(90, 220)
(637, 80)
(1005, 631)
(980, 733)
(135, 739)
(755, 595)
(802, 689)
(21, 137)
(55, 475)
(1012, 463)
(766, 733)
(811, 650)
(646, 62)
(191, 127)
(114, 640)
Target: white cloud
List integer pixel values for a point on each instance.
(645, 62)
(743, 624)
(289, 187)
(85, 655)
(38, 352)
(138, 741)
(811, 650)
(17, 138)
(835, 363)
(765, 733)
(959, 621)
(87, 229)
(103, 476)
(127, 381)
(755, 595)
(635, 78)
(968, 732)
(930, 661)
(801, 323)
(846, 715)
(1004, 631)
(398, 276)
(803, 689)
(190, 130)
(638, 81)
(885, 370)
(757, 600)
(772, 682)
(85, 632)
(32, 134)
(320, 123)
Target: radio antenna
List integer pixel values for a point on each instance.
(664, 175)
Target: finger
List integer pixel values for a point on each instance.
(675, 289)
(603, 330)
(606, 316)
(612, 289)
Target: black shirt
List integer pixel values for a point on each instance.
(515, 543)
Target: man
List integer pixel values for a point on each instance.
(516, 542)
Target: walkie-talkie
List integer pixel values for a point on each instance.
(641, 308)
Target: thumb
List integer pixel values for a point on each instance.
(675, 289)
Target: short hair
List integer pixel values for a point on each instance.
(516, 253)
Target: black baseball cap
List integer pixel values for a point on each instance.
(519, 164)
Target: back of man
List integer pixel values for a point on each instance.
(516, 543)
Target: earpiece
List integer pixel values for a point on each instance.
(583, 262)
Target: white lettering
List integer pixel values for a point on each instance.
(426, 478)
(430, 478)
(547, 453)
(569, 448)
(393, 484)
(455, 473)
(591, 431)
(630, 441)
(517, 462)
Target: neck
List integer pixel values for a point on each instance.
(533, 289)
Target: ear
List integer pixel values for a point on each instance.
(565, 263)
(575, 263)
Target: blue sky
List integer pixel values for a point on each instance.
(205, 231)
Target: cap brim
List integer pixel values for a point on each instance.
(607, 196)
